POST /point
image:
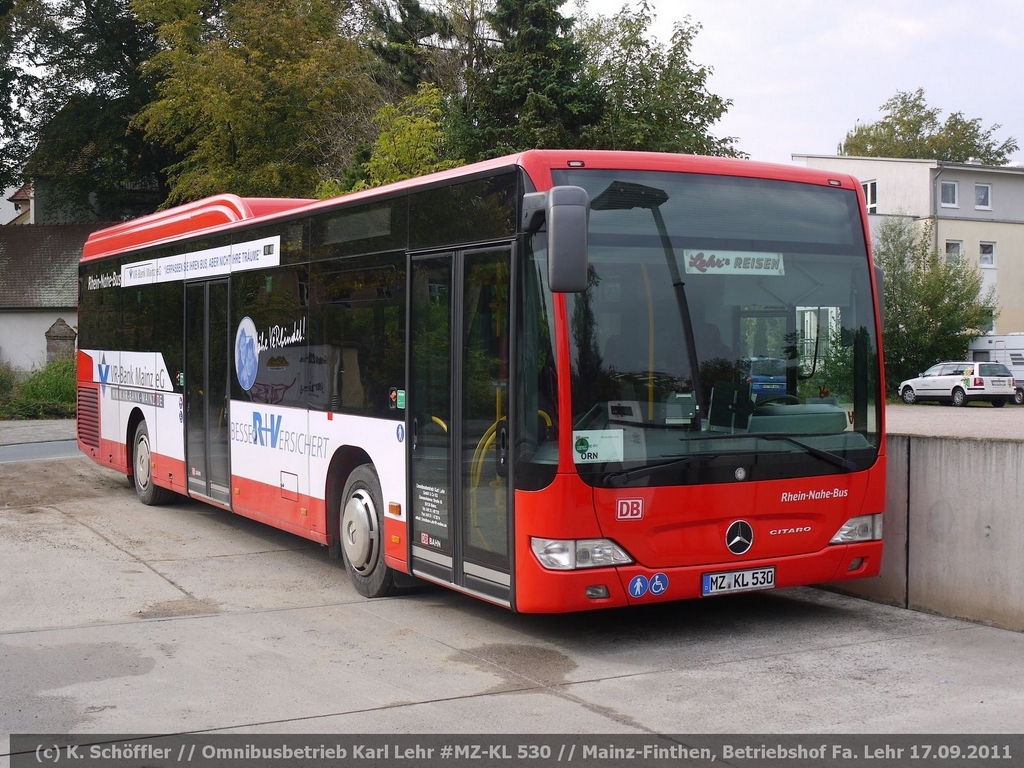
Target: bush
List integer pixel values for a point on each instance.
(8, 379)
(49, 393)
(55, 382)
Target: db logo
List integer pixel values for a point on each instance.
(629, 509)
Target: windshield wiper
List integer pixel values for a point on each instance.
(832, 458)
(619, 479)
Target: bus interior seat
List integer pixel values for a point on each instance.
(347, 390)
(353, 393)
(730, 407)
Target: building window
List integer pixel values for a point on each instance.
(983, 196)
(871, 195)
(950, 197)
(987, 255)
(954, 251)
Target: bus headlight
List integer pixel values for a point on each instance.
(863, 528)
(570, 554)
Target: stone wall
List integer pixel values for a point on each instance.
(60, 342)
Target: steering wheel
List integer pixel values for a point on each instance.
(791, 399)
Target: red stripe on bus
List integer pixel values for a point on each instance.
(294, 512)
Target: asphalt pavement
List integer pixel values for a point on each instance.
(37, 440)
(36, 431)
(185, 618)
(976, 421)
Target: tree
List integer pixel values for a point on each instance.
(18, 82)
(934, 306)
(911, 129)
(459, 67)
(72, 73)
(534, 92)
(411, 143)
(656, 97)
(411, 37)
(252, 93)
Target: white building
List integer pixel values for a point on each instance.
(977, 212)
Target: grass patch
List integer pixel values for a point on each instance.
(48, 393)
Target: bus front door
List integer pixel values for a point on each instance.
(207, 359)
(457, 412)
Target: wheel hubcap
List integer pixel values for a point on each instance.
(359, 534)
(143, 461)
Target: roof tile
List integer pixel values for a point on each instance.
(39, 265)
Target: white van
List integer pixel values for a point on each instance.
(1007, 349)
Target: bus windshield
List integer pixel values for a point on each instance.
(728, 322)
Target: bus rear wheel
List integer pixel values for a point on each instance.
(361, 532)
(148, 492)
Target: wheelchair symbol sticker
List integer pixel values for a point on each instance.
(659, 584)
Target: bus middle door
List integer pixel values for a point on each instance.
(207, 430)
(458, 407)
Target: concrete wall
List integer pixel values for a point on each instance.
(954, 530)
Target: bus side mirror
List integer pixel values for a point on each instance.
(566, 210)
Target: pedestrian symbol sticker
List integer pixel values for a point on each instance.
(638, 586)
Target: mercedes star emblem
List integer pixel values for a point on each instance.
(739, 537)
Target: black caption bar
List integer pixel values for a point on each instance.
(538, 751)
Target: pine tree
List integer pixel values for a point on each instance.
(535, 92)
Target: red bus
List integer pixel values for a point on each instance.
(527, 379)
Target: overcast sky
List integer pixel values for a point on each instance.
(801, 73)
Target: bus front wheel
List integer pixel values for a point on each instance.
(148, 492)
(361, 531)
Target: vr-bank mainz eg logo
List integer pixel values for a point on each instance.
(103, 373)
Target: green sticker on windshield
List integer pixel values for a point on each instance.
(593, 446)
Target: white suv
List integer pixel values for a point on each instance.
(960, 383)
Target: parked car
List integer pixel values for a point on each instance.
(960, 383)
(765, 375)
